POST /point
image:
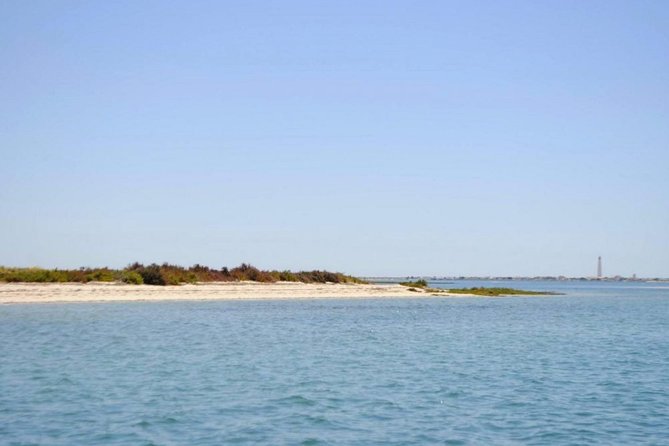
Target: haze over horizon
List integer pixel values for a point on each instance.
(373, 138)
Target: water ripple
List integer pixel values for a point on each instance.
(564, 370)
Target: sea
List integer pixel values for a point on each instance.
(590, 366)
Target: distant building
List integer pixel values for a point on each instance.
(599, 267)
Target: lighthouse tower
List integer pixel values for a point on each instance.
(599, 267)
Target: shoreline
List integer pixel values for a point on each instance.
(32, 293)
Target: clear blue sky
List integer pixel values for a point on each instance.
(371, 137)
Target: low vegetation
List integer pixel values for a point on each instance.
(167, 274)
(482, 291)
(415, 284)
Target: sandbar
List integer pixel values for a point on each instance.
(23, 293)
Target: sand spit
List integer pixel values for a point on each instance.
(15, 293)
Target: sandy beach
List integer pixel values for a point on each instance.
(15, 293)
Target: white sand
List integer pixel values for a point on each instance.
(12, 293)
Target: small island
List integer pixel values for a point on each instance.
(422, 286)
(483, 291)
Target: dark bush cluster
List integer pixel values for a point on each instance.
(167, 274)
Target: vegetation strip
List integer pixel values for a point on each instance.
(416, 284)
(167, 274)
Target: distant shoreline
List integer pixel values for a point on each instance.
(395, 279)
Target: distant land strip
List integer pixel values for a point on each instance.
(397, 279)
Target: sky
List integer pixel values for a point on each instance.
(368, 137)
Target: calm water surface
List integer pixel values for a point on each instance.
(589, 367)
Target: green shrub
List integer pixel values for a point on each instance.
(416, 284)
(131, 277)
(33, 275)
(100, 275)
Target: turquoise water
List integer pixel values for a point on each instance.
(590, 367)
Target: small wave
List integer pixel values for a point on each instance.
(168, 420)
(297, 400)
